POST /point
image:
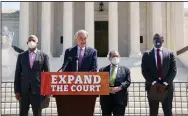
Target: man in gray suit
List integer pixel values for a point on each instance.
(29, 66)
(120, 80)
(159, 70)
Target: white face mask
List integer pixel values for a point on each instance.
(32, 44)
(115, 60)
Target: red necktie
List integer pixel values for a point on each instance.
(159, 65)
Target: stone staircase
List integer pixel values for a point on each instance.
(138, 104)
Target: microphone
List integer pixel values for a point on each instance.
(76, 58)
(65, 64)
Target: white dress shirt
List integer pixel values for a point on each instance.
(161, 55)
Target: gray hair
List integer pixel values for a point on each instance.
(35, 37)
(81, 31)
(112, 51)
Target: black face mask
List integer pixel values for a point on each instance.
(158, 43)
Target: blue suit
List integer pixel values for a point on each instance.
(81, 105)
(89, 61)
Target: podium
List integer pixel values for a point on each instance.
(75, 92)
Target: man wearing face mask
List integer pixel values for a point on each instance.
(159, 70)
(119, 82)
(29, 66)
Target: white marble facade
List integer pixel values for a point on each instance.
(127, 21)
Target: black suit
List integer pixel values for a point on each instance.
(116, 103)
(27, 81)
(80, 105)
(149, 72)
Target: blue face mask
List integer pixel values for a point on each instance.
(158, 43)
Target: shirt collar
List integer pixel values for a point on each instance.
(82, 48)
(113, 65)
(34, 51)
(161, 48)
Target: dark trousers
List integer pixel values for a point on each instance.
(111, 106)
(34, 100)
(166, 105)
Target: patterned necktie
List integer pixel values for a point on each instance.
(80, 57)
(112, 76)
(159, 64)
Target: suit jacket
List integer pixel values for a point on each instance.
(123, 80)
(26, 77)
(89, 61)
(149, 68)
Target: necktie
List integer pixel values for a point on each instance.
(159, 65)
(80, 57)
(112, 76)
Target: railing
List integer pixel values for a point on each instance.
(182, 50)
(137, 105)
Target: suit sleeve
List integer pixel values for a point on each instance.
(145, 68)
(127, 82)
(94, 62)
(46, 64)
(17, 77)
(173, 70)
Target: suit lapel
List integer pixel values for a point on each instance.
(163, 59)
(118, 70)
(107, 69)
(153, 58)
(27, 59)
(75, 53)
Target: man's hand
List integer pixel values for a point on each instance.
(18, 97)
(114, 89)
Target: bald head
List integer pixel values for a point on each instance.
(32, 42)
(158, 40)
(33, 37)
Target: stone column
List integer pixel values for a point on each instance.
(113, 26)
(24, 25)
(134, 30)
(179, 24)
(46, 28)
(67, 25)
(156, 17)
(89, 22)
(1, 64)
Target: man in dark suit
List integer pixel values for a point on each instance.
(119, 82)
(29, 66)
(87, 62)
(159, 70)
